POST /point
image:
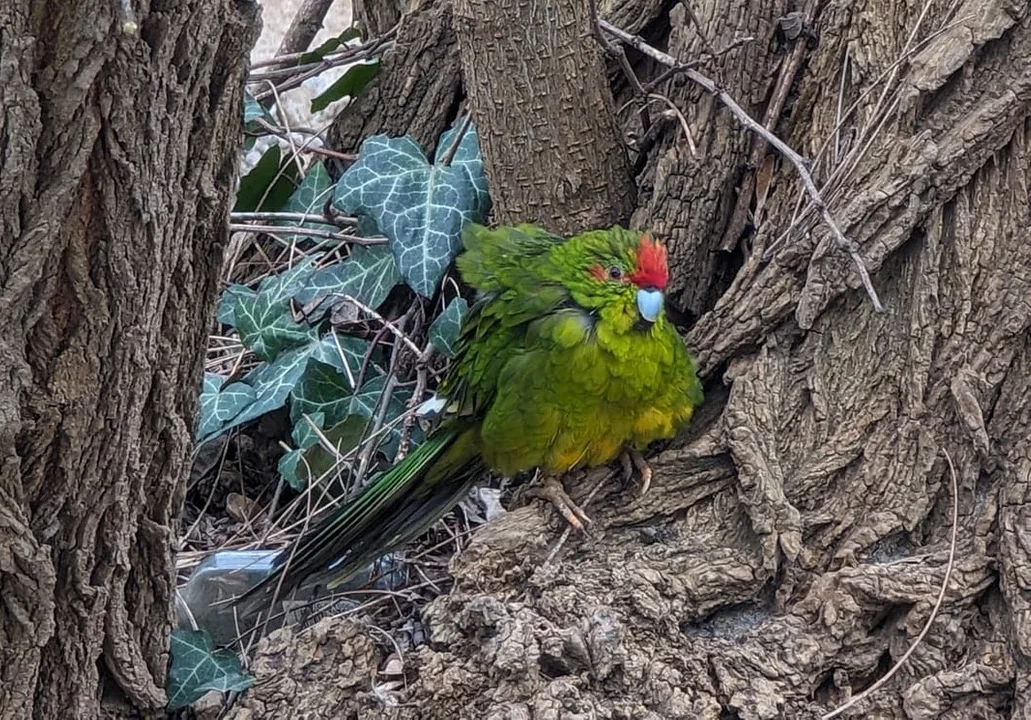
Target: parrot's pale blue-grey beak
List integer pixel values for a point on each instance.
(649, 303)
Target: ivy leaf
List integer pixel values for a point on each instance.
(254, 110)
(421, 208)
(269, 184)
(319, 53)
(226, 306)
(197, 668)
(276, 288)
(366, 227)
(311, 463)
(304, 436)
(273, 382)
(350, 84)
(342, 352)
(291, 469)
(368, 275)
(309, 198)
(468, 159)
(445, 329)
(268, 327)
(321, 389)
(366, 400)
(288, 283)
(264, 320)
(219, 406)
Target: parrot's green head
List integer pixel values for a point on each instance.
(617, 274)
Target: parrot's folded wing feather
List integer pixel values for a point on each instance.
(398, 506)
(502, 258)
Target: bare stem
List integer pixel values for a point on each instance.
(756, 127)
(307, 232)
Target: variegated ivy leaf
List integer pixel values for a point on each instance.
(309, 198)
(301, 466)
(466, 158)
(368, 275)
(264, 319)
(270, 383)
(445, 329)
(218, 405)
(304, 436)
(197, 668)
(268, 328)
(276, 288)
(420, 207)
(344, 353)
(322, 390)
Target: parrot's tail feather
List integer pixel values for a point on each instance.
(398, 506)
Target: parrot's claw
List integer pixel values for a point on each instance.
(551, 489)
(631, 459)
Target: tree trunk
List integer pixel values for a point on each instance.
(119, 153)
(535, 81)
(418, 88)
(794, 543)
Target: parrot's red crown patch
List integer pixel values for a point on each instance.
(651, 270)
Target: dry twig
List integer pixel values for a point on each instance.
(305, 26)
(934, 610)
(749, 122)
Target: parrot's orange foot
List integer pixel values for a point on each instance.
(551, 489)
(631, 459)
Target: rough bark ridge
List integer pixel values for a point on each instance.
(121, 139)
(792, 546)
(532, 112)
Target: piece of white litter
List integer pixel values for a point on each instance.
(432, 407)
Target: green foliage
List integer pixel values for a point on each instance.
(329, 46)
(420, 207)
(269, 184)
(444, 330)
(349, 84)
(333, 383)
(310, 459)
(368, 276)
(310, 197)
(197, 668)
(252, 112)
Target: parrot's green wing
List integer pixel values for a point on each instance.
(503, 258)
(505, 265)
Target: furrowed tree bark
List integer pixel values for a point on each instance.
(120, 147)
(794, 542)
(418, 88)
(537, 89)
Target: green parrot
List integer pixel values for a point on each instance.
(565, 360)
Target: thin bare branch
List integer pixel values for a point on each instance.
(749, 122)
(934, 610)
(305, 26)
(308, 232)
(338, 220)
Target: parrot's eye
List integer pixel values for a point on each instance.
(615, 273)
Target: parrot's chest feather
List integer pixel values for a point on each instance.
(590, 395)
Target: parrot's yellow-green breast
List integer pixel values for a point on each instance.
(568, 357)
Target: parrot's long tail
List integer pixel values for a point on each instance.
(398, 506)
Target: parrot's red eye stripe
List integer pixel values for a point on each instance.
(599, 272)
(651, 270)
